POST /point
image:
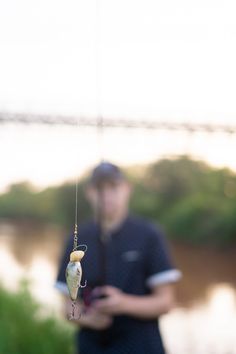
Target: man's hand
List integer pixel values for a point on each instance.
(150, 306)
(113, 302)
(95, 320)
(90, 317)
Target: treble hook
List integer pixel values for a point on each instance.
(84, 285)
(72, 314)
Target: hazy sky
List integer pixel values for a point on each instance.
(157, 58)
(153, 59)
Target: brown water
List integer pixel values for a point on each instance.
(204, 321)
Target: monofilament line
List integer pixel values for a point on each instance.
(76, 209)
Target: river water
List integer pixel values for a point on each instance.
(204, 321)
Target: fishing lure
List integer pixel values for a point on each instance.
(73, 277)
(73, 272)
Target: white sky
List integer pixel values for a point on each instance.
(152, 59)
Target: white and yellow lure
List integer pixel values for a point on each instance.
(74, 273)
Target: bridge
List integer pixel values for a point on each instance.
(100, 122)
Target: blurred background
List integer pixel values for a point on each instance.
(149, 85)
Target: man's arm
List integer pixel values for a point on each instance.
(161, 301)
(150, 306)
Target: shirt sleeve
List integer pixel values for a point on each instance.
(60, 282)
(160, 268)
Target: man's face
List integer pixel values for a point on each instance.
(109, 198)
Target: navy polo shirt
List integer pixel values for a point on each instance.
(135, 258)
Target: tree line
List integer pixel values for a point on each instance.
(194, 202)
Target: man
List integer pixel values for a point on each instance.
(128, 269)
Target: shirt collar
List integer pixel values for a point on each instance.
(118, 227)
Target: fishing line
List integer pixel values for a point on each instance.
(74, 269)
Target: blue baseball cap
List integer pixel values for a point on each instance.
(106, 171)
